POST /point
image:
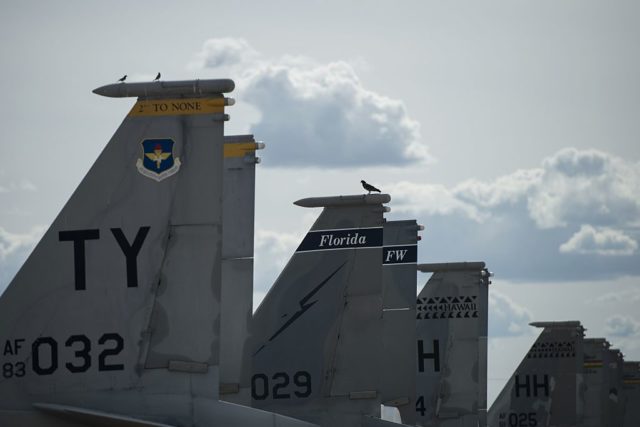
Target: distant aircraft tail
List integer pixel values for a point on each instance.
(602, 397)
(595, 373)
(544, 388)
(452, 345)
(114, 318)
(631, 393)
(317, 333)
(616, 399)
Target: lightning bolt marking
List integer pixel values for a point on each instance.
(304, 306)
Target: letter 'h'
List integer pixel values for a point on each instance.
(435, 356)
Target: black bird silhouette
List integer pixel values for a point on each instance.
(123, 78)
(368, 187)
(157, 78)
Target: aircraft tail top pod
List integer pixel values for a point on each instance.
(543, 389)
(451, 331)
(317, 334)
(114, 318)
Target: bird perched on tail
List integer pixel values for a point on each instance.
(157, 78)
(368, 186)
(123, 78)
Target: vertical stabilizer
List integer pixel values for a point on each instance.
(399, 258)
(543, 389)
(317, 333)
(595, 373)
(615, 397)
(631, 392)
(451, 329)
(123, 289)
(237, 265)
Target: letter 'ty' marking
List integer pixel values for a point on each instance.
(131, 252)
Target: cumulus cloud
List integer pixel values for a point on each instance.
(13, 186)
(432, 199)
(14, 249)
(593, 192)
(506, 317)
(272, 251)
(221, 52)
(622, 326)
(316, 114)
(504, 190)
(601, 241)
(572, 187)
(586, 186)
(629, 295)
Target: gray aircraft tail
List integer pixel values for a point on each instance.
(317, 333)
(603, 397)
(451, 329)
(631, 392)
(543, 390)
(597, 379)
(115, 316)
(238, 209)
(616, 402)
(399, 258)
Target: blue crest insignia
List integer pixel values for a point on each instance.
(157, 160)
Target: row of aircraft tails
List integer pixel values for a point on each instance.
(135, 308)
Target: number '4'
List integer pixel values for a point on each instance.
(420, 406)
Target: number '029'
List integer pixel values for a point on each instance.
(281, 387)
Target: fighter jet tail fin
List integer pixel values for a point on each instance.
(451, 331)
(317, 332)
(237, 264)
(119, 303)
(543, 389)
(631, 392)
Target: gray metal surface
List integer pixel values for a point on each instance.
(615, 397)
(317, 333)
(544, 388)
(237, 266)
(117, 310)
(399, 257)
(631, 393)
(451, 327)
(368, 421)
(596, 382)
(239, 196)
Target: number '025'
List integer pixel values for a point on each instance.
(45, 354)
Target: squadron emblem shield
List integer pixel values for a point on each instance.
(157, 160)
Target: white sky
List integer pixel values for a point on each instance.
(494, 92)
